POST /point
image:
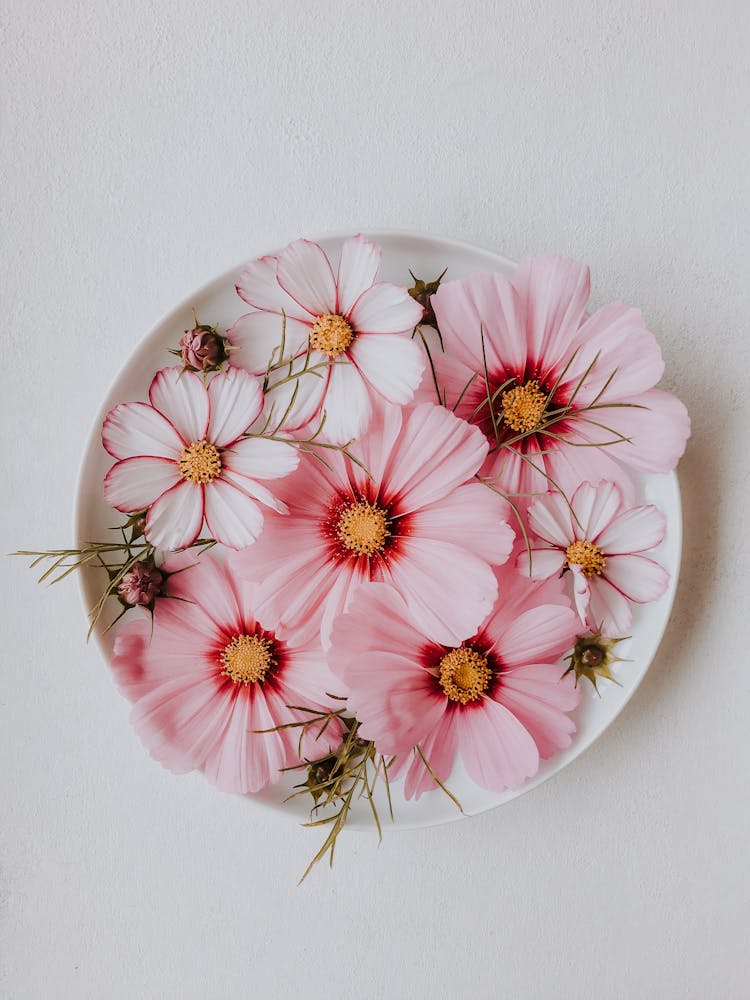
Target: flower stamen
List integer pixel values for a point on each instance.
(247, 659)
(331, 334)
(200, 462)
(363, 528)
(523, 406)
(586, 555)
(464, 674)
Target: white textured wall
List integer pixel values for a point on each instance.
(147, 146)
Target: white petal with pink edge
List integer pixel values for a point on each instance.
(347, 404)
(294, 397)
(640, 579)
(255, 490)
(385, 308)
(304, 272)
(635, 530)
(550, 518)
(135, 483)
(175, 519)
(182, 398)
(233, 518)
(544, 563)
(554, 292)
(595, 507)
(609, 609)
(258, 286)
(261, 458)
(236, 400)
(392, 364)
(134, 429)
(581, 592)
(256, 335)
(358, 268)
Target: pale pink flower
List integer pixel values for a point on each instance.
(362, 327)
(498, 699)
(208, 674)
(183, 456)
(420, 520)
(600, 541)
(544, 352)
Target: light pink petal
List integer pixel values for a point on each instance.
(458, 387)
(392, 364)
(550, 518)
(581, 592)
(358, 267)
(595, 507)
(182, 398)
(305, 273)
(129, 654)
(175, 519)
(385, 308)
(292, 403)
(541, 634)
(574, 464)
(255, 336)
(482, 306)
(554, 292)
(373, 449)
(639, 579)
(260, 458)
(134, 429)
(225, 764)
(658, 427)
(206, 591)
(497, 750)
(472, 515)
(448, 608)
(135, 483)
(344, 581)
(347, 404)
(544, 563)
(233, 518)
(236, 400)
(540, 704)
(437, 452)
(609, 610)
(635, 530)
(258, 286)
(439, 749)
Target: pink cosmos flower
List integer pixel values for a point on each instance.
(353, 326)
(498, 698)
(183, 456)
(209, 675)
(418, 522)
(561, 380)
(600, 543)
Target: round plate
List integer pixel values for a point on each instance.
(217, 303)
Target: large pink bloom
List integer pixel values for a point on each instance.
(349, 319)
(601, 542)
(497, 699)
(545, 353)
(210, 674)
(183, 456)
(419, 522)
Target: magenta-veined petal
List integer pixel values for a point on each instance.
(497, 750)
(255, 490)
(256, 335)
(182, 398)
(347, 403)
(304, 272)
(544, 563)
(358, 268)
(135, 483)
(392, 364)
(575, 463)
(581, 592)
(236, 400)
(258, 286)
(550, 518)
(174, 520)
(472, 515)
(134, 429)
(640, 579)
(554, 292)
(297, 401)
(261, 458)
(385, 308)
(595, 508)
(635, 530)
(233, 518)
(609, 609)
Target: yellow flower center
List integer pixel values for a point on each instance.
(586, 555)
(464, 674)
(523, 406)
(363, 528)
(331, 334)
(200, 462)
(247, 659)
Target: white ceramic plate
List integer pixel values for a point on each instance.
(217, 303)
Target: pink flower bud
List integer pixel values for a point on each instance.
(202, 348)
(141, 584)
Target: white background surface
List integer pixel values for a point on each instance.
(147, 147)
